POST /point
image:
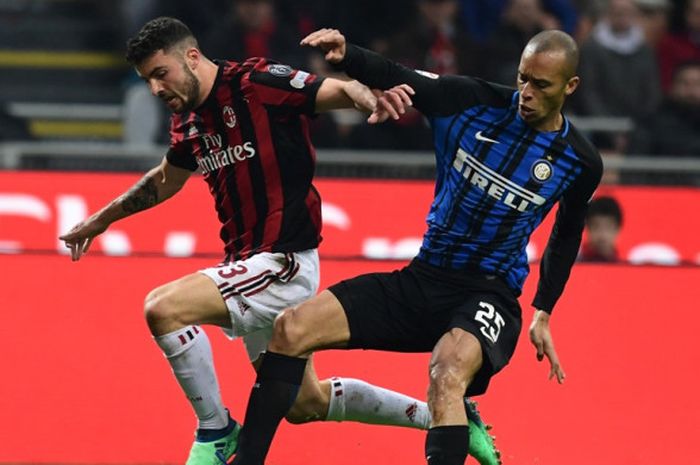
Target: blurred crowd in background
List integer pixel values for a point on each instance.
(640, 60)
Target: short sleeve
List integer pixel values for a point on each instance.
(281, 85)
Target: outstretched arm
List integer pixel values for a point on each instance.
(382, 105)
(156, 186)
(432, 95)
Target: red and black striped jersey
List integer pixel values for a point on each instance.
(250, 138)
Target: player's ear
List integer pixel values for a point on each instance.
(192, 57)
(571, 85)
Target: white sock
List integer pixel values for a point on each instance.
(189, 353)
(356, 400)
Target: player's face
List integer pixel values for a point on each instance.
(170, 79)
(543, 86)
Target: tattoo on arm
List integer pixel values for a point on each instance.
(140, 197)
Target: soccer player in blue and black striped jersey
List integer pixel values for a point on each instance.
(504, 157)
(244, 125)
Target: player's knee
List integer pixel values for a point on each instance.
(158, 309)
(450, 375)
(287, 334)
(446, 380)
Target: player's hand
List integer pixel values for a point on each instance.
(330, 41)
(391, 103)
(541, 338)
(80, 237)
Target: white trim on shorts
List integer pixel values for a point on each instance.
(257, 289)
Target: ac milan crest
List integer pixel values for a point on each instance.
(229, 116)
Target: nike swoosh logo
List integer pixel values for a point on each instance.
(485, 139)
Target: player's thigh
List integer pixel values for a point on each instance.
(387, 311)
(257, 289)
(319, 323)
(494, 319)
(192, 299)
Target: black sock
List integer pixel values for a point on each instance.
(274, 392)
(447, 445)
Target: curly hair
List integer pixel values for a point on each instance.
(158, 34)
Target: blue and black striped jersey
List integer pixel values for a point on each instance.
(497, 178)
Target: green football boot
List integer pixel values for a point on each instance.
(481, 445)
(216, 452)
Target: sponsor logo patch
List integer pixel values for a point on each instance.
(298, 81)
(495, 184)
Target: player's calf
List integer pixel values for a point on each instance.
(311, 403)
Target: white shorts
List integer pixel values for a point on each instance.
(256, 290)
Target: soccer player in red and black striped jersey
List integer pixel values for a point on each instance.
(245, 126)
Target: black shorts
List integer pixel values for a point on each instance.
(409, 310)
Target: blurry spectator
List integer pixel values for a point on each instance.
(387, 16)
(674, 129)
(432, 42)
(619, 73)
(655, 18)
(681, 47)
(588, 14)
(200, 15)
(251, 29)
(603, 223)
(136, 12)
(482, 17)
(522, 19)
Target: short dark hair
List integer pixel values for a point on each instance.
(557, 41)
(158, 34)
(605, 206)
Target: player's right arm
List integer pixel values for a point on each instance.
(156, 186)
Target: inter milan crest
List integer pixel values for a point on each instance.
(229, 116)
(541, 170)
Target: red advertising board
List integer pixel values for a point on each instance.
(362, 218)
(84, 383)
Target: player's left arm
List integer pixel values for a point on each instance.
(336, 94)
(282, 86)
(558, 258)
